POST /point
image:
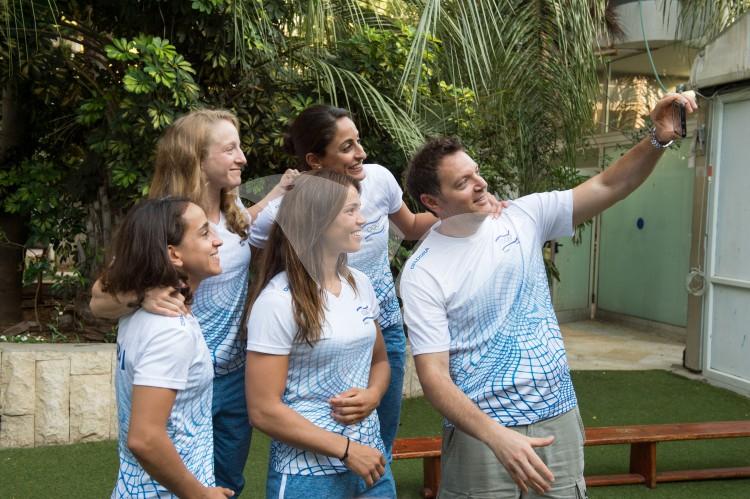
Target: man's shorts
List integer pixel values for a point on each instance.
(470, 468)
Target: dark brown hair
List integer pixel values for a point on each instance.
(139, 256)
(312, 131)
(295, 246)
(422, 176)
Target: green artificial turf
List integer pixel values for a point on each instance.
(606, 398)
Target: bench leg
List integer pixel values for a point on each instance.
(431, 467)
(643, 461)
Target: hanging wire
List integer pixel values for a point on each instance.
(648, 49)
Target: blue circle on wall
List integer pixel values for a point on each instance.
(640, 223)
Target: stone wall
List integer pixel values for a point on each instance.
(412, 388)
(56, 394)
(60, 394)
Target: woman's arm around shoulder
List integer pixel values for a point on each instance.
(285, 184)
(161, 301)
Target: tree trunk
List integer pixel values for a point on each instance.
(11, 225)
(11, 260)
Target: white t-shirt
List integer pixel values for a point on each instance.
(340, 360)
(485, 299)
(165, 352)
(380, 196)
(219, 301)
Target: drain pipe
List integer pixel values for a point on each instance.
(596, 224)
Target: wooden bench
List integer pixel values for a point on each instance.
(642, 440)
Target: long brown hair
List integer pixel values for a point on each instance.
(295, 246)
(139, 256)
(178, 171)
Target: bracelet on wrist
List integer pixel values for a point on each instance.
(346, 452)
(655, 141)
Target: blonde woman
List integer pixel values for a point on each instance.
(200, 157)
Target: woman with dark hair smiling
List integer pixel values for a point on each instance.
(324, 137)
(313, 338)
(165, 374)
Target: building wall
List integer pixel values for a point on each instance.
(642, 271)
(571, 295)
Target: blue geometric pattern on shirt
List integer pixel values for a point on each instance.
(372, 260)
(189, 428)
(218, 305)
(315, 375)
(507, 352)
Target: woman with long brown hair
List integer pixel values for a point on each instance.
(316, 363)
(200, 157)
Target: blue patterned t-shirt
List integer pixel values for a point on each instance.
(340, 360)
(165, 352)
(219, 301)
(485, 299)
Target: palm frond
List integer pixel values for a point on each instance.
(251, 22)
(470, 33)
(336, 81)
(20, 19)
(533, 68)
(700, 21)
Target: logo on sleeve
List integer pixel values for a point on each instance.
(418, 258)
(121, 357)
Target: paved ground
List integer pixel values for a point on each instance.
(594, 345)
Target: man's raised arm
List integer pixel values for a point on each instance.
(616, 182)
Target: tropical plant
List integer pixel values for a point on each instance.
(700, 21)
(88, 86)
(101, 81)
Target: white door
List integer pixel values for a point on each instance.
(726, 328)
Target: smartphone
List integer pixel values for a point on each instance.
(678, 119)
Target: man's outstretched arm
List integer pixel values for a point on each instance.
(616, 182)
(513, 450)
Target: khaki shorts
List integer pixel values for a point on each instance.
(470, 469)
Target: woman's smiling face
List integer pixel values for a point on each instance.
(344, 235)
(344, 154)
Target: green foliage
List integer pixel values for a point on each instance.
(104, 80)
(39, 187)
(700, 21)
(155, 63)
(101, 81)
